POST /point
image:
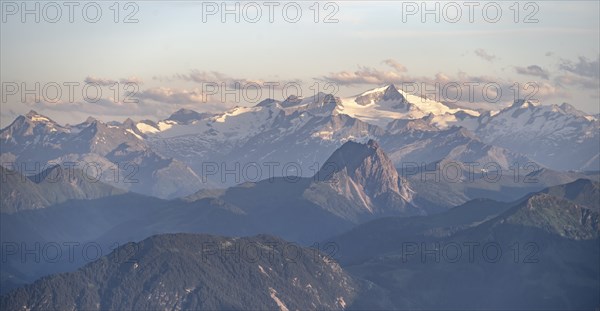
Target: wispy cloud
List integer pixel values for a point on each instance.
(365, 75)
(485, 55)
(396, 65)
(583, 67)
(109, 82)
(570, 79)
(583, 73)
(134, 80)
(485, 88)
(172, 96)
(472, 32)
(533, 70)
(219, 78)
(99, 81)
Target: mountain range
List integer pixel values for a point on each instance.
(169, 158)
(539, 252)
(380, 196)
(549, 241)
(114, 154)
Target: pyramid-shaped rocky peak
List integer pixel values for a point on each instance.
(366, 164)
(392, 93)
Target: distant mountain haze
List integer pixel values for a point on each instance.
(388, 201)
(172, 157)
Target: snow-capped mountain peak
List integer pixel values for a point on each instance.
(524, 104)
(382, 105)
(569, 109)
(35, 138)
(33, 116)
(318, 104)
(386, 93)
(549, 134)
(31, 124)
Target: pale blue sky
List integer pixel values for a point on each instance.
(170, 39)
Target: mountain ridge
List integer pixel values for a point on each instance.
(556, 137)
(165, 271)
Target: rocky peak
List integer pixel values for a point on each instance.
(392, 93)
(186, 116)
(366, 164)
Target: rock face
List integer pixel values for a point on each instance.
(365, 164)
(366, 182)
(187, 116)
(197, 272)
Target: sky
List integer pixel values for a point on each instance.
(147, 59)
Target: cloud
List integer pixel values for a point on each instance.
(165, 100)
(97, 107)
(583, 67)
(459, 87)
(485, 55)
(109, 82)
(134, 80)
(544, 91)
(396, 65)
(99, 81)
(173, 96)
(569, 79)
(533, 70)
(583, 73)
(219, 88)
(152, 102)
(365, 75)
(219, 78)
(126, 104)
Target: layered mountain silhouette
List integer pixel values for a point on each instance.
(34, 139)
(52, 186)
(549, 254)
(170, 153)
(555, 232)
(563, 210)
(360, 197)
(283, 206)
